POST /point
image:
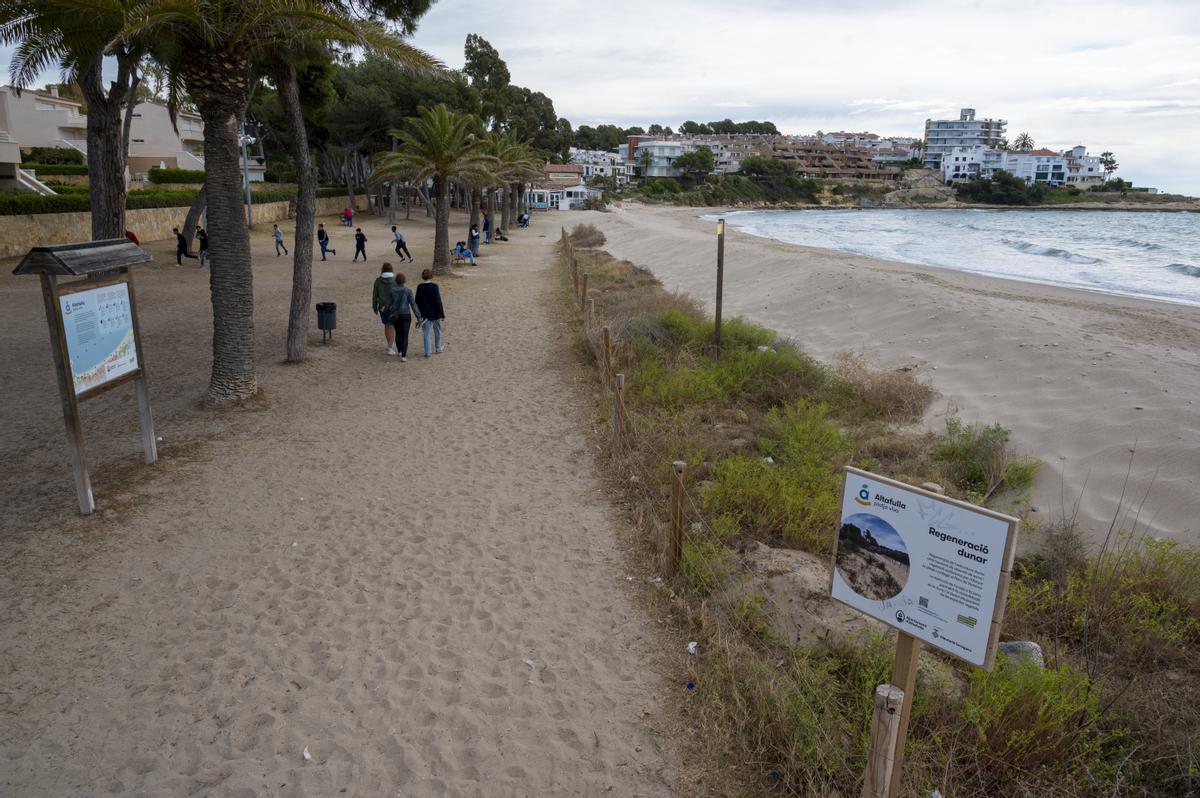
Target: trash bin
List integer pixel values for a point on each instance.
(326, 319)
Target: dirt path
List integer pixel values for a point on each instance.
(409, 569)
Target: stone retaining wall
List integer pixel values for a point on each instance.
(19, 234)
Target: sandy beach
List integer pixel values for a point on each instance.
(1097, 387)
(411, 569)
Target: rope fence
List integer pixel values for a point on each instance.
(693, 552)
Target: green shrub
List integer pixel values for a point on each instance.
(54, 155)
(978, 460)
(794, 499)
(21, 203)
(173, 175)
(43, 169)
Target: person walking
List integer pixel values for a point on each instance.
(323, 240)
(401, 247)
(429, 309)
(180, 247)
(279, 241)
(381, 293)
(403, 307)
(487, 229)
(202, 239)
(360, 244)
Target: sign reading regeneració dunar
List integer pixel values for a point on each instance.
(932, 567)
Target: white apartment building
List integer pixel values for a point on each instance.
(1083, 170)
(599, 162)
(943, 135)
(44, 119)
(1036, 166)
(662, 155)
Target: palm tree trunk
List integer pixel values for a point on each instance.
(306, 210)
(232, 377)
(350, 182)
(392, 194)
(193, 217)
(476, 205)
(105, 147)
(441, 226)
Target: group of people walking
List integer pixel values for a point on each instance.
(399, 306)
(181, 246)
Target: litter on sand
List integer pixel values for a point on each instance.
(529, 662)
(692, 647)
(307, 756)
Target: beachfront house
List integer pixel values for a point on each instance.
(1083, 170)
(45, 119)
(1037, 166)
(943, 135)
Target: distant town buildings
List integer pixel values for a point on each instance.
(943, 135)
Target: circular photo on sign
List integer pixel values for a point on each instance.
(871, 557)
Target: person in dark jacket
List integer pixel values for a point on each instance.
(360, 244)
(403, 307)
(323, 240)
(180, 247)
(202, 243)
(429, 307)
(487, 229)
(381, 293)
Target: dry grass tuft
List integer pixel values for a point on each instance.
(587, 236)
(888, 395)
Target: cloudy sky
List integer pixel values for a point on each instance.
(1114, 76)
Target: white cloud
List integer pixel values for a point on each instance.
(1112, 75)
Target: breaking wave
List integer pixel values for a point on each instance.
(1050, 252)
(1185, 268)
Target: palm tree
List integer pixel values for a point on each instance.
(1023, 143)
(209, 45)
(76, 39)
(515, 162)
(438, 144)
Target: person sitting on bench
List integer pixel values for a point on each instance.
(462, 252)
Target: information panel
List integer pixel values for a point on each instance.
(98, 325)
(932, 567)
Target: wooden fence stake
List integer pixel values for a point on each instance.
(677, 514)
(606, 354)
(589, 319)
(583, 290)
(885, 725)
(618, 413)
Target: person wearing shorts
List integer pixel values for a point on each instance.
(381, 295)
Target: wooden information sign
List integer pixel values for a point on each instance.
(933, 568)
(94, 336)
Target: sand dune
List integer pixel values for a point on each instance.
(1082, 379)
(409, 569)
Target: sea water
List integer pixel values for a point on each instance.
(1153, 255)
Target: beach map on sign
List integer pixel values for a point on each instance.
(98, 324)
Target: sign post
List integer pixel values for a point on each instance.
(720, 279)
(94, 336)
(936, 570)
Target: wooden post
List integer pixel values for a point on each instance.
(885, 724)
(589, 318)
(583, 290)
(618, 413)
(904, 678)
(676, 549)
(720, 279)
(145, 416)
(70, 407)
(607, 364)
